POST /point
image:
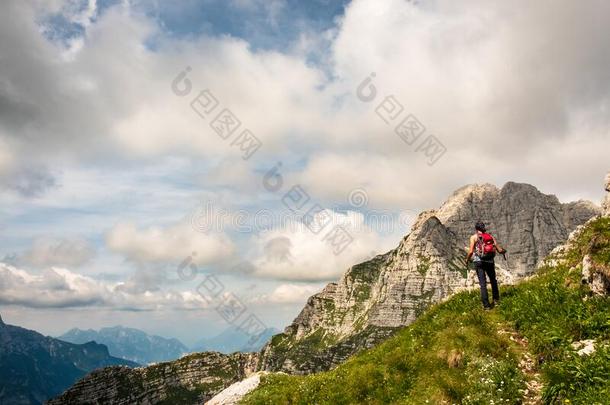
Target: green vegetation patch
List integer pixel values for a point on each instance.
(367, 272)
(428, 360)
(423, 264)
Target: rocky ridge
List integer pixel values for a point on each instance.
(595, 270)
(606, 202)
(192, 379)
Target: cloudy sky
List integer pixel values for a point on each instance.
(159, 160)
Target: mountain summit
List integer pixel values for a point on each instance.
(376, 297)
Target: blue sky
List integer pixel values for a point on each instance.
(106, 171)
(263, 24)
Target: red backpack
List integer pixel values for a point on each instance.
(485, 248)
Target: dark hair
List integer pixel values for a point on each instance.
(479, 226)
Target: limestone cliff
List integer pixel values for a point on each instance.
(606, 202)
(375, 297)
(193, 379)
(595, 268)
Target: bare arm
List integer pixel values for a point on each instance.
(471, 248)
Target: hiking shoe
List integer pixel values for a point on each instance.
(489, 308)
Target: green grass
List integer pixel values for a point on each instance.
(427, 360)
(453, 353)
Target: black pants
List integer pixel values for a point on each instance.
(489, 269)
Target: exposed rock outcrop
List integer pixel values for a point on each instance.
(584, 347)
(606, 202)
(375, 297)
(192, 379)
(595, 267)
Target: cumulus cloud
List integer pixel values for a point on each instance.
(493, 81)
(482, 65)
(388, 182)
(61, 288)
(288, 294)
(46, 252)
(293, 252)
(170, 244)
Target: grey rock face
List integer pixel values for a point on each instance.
(595, 276)
(606, 202)
(192, 379)
(393, 289)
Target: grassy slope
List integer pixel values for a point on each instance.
(456, 353)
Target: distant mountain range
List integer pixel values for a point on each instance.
(234, 340)
(129, 343)
(35, 368)
(136, 345)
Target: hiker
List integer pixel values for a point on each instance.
(483, 247)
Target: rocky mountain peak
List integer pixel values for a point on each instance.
(393, 289)
(514, 188)
(473, 190)
(467, 196)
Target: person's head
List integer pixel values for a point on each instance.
(479, 226)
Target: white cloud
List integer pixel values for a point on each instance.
(61, 288)
(294, 252)
(389, 182)
(170, 244)
(493, 81)
(47, 252)
(288, 294)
